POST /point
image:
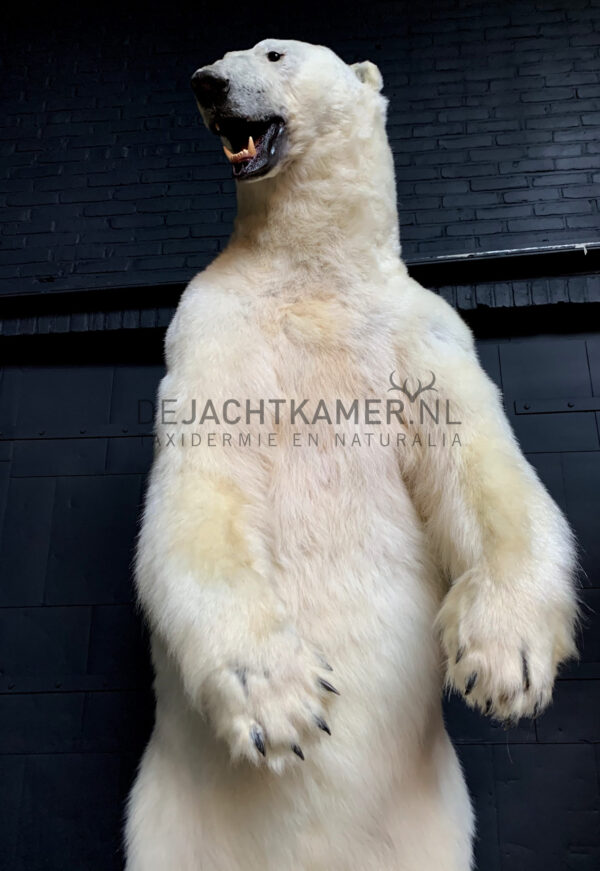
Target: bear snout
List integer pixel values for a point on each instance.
(209, 87)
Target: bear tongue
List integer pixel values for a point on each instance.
(245, 154)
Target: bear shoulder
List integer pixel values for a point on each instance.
(210, 315)
(435, 322)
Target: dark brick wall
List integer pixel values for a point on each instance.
(108, 178)
(75, 706)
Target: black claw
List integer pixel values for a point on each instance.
(536, 711)
(526, 681)
(470, 683)
(242, 675)
(488, 707)
(298, 751)
(324, 663)
(322, 724)
(327, 686)
(257, 738)
(459, 655)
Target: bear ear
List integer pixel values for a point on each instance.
(367, 73)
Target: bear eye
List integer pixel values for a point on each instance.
(274, 56)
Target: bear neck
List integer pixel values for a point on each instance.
(332, 210)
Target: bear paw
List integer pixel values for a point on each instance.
(503, 646)
(269, 705)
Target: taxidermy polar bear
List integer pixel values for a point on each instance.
(310, 592)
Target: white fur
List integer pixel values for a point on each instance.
(269, 562)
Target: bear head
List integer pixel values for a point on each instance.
(284, 102)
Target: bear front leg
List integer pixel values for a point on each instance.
(508, 618)
(269, 701)
(503, 644)
(203, 580)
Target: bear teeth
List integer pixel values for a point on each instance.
(245, 153)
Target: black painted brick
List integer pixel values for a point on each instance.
(484, 100)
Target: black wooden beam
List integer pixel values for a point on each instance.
(438, 272)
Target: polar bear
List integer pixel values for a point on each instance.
(322, 549)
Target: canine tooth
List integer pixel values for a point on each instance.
(239, 155)
(251, 146)
(217, 128)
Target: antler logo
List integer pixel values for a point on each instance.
(404, 389)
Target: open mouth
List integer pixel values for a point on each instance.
(254, 146)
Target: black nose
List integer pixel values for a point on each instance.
(209, 87)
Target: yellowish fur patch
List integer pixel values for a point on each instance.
(317, 319)
(209, 534)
